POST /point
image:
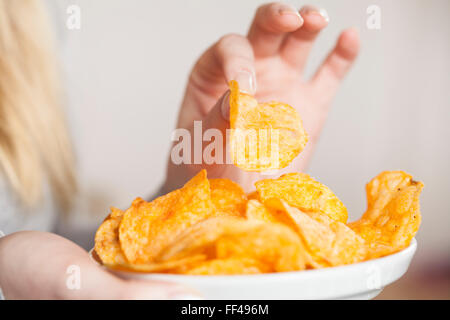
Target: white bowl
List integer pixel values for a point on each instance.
(363, 280)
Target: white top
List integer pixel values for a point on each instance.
(15, 217)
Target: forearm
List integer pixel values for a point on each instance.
(35, 265)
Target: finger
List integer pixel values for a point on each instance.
(235, 55)
(230, 58)
(215, 128)
(270, 25)
(215, 123)
(219, 116)
(297, 45)
(337, 64)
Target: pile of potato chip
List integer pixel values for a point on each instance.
(212, 227)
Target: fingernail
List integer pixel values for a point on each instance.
(321, 11)
(225, 107)
(246, 81)
(184, 296)
(287, 9)
(324, 14)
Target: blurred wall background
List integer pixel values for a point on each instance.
(126, 68)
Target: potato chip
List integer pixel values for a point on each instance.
(275, 246)
(228, 197)
(393, 214)
(257, 211)
(348, 245)
(265, 136)
(200, 237)
(107, 245)
(318, 238)
(136, 226)
(381, 188)
(375, 248)
(252, 196)
(273, 211)
(147, 229)
(329, 242)
(303, 192)
(355, 246)
(226, 267)
(172, 266)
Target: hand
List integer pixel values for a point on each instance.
(34, 266)
(269, 63)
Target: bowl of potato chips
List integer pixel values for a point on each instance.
(363, 280)
(288, 239)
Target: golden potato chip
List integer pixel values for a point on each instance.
(349, 246)
(172, 266)
(273, 211)
(200, 237)
(402, 217)
(265, 136)
(330, 242)
(107, 244)
(314, 261)
(147, 229)
(351, 243)
(371, 235)
(228, 197)
(275, 246)
(136, 226)
(318, 238)
(226, 266)
(257, 211)
(252, 196)
(303, 192)
(381, 189)
(393, 214)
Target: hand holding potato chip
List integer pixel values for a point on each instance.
(268, 63)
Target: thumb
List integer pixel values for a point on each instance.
(219, 116)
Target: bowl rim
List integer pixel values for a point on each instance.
(408, 251)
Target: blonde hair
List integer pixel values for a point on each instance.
(34, 142)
